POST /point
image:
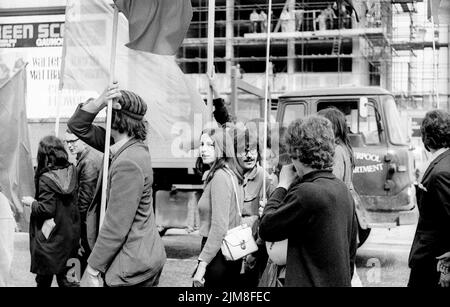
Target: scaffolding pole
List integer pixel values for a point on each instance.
(210, 65)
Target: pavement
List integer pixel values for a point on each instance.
(381, 262)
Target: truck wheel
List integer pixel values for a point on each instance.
(162, 231)
(363, 234)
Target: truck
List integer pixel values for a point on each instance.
(384, 173)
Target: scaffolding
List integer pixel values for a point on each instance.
(304, 49)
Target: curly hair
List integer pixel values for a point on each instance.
(435, 130)
(312, 140)
(133, 127)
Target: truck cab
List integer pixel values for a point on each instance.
(383, 175)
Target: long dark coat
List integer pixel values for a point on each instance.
(56, 198)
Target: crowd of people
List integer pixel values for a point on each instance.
(335, 16)
(303, 222)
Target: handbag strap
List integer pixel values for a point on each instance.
(227, 170)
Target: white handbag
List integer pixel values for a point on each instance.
(277, 252)
(239, 241)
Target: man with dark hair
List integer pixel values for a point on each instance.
(126, 249)
(432, 238)
(89, 164)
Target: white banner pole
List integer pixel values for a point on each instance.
(112, 68)
(210, 64)
(266, 96)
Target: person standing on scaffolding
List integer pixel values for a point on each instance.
(330, 17)
(263, 21)
(255, 21)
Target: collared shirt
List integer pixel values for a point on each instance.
(116, 147)
(253, 190)
(430, 160)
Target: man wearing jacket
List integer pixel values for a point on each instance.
(432, 238)
(126, 249)
(89, 164)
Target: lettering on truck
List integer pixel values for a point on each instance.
(365, 169)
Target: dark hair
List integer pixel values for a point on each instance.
(225, 153)
(337, 119)
(51, 155)
(132, 127)
(312, 140)
(435, 130)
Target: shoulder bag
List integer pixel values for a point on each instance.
(239, 241)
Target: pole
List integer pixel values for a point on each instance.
(61, 84)
(435, 65)
(210, 64)
(229, 35)
(112, 68)
(266, 97)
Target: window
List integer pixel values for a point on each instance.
(293, 112)
(362, 131)
(369, 127)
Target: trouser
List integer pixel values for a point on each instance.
(252, 275)
(85, 250)
(255, 26)
(45, 281)
(221, 273)
(424, 275)
(253, 272)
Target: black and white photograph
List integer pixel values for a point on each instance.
(224, 149)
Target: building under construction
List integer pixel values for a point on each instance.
(384, 43)
(394, 44)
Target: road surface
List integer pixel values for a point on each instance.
(381, 261)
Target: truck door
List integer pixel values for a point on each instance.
(368, 139)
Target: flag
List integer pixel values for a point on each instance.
(16, 168)
(173, 101)
(157, 26)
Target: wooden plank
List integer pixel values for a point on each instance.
(247, 87)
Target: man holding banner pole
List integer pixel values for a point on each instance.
(121, 230)
(126, 249)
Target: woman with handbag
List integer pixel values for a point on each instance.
(220, 209)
